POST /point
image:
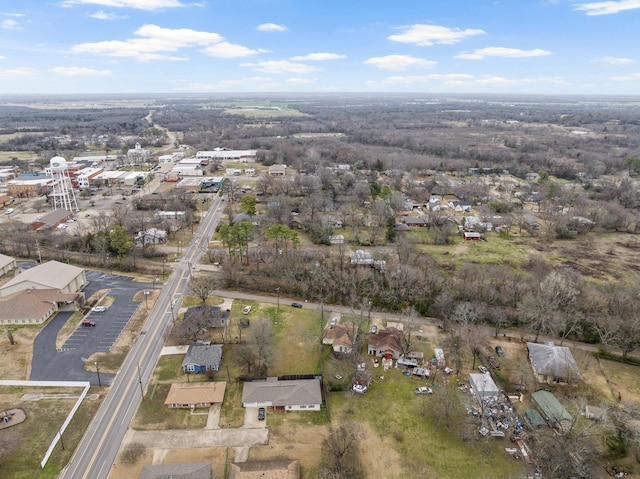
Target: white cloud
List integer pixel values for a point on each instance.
(633, 77)
(251, 83)
(16, 72)
(319, 57)
(80, 71)
(449, 78)
(428, 35)
(482, 53)
(9, 24)
(300, 81)
(2, 57)
(281, 66)
(615, 60)
(135, 4)
(607, 8)
(271, 27)
(230, 50)
(156, 42)
(399, 62)
(102, 15)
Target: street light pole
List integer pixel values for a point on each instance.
(164, 260)
(140, 381)
(146, 299)
(278, 291)
(98, 373)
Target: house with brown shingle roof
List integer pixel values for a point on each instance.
(283, 469)
(386, 343)
(340, 337)
(33, 306)
(193, 395)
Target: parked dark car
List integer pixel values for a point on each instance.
(261, 414)
(86, 322)
(296, 305)
(499, 351)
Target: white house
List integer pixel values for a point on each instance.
(150, 236)
(483, 387)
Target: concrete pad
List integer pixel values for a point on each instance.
(167, 350)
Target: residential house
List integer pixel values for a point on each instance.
(197, 470)
(483, 387)
(201, 358)
(150, 237)
(553, 364)
(340, 337)
(282, 469)
(62, 277)
(195, 395)
(416, 221)
(460, 206)
(552, 410)
(336, 239)
(284, 395)
(386, 343)
(278, 170)
(7, 264)
(213, 316)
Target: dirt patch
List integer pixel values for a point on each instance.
(16, 358)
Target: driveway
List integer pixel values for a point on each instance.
(68, 364)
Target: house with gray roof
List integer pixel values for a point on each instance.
(553, 364)
(279, 469)
(63, 277)
(284, 395)
(201, 358)
(194, 470)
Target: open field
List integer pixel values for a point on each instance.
(23, 446)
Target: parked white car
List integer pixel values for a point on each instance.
(246, 310)
(423, 390)
(359, 389)
(99, 309)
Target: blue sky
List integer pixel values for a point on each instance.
(219, 46)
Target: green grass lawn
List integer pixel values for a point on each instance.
(430, 446)
(153, 414)
(27, 443)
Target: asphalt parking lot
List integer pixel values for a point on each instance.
(68, 363)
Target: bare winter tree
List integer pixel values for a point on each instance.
(341, 458)
(202, 286)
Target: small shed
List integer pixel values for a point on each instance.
(552, 410)
(471, 236)
(534, 418)
(594, 413)
(483, 387)
(438, 355)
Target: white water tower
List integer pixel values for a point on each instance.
(63, 196)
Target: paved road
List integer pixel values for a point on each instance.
(97, 451)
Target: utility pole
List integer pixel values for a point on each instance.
(140, 381)
(278, 308)
(98, 373)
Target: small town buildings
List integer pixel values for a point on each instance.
(62, 277)
(34, 306)
(552, 410)
(201, 358)
(553, 364)
(284, 395)
(195, 395)
(242, 156)
(29, 188)
(278, 170)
